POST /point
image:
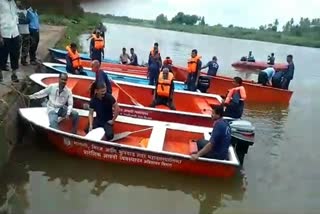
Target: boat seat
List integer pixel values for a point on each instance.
(156, 140)
(193, 147)
(203, 105)
(96, 134)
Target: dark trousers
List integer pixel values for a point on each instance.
(234, 110)
(10, 46)
(78, 71)
(285, 83)
(34, 41)
(96, 55)
(276, 83)
(163, 101)
(191, 82)
(263, 78)
(108, 129)
(25, 47)
(202, 143)
(153, 76)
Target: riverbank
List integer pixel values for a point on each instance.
(75, 26)
(310, 40)
(11, 95)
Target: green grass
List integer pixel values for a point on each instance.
(75, 26)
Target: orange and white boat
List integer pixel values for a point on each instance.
(256, 93)
(120, 68)
(259, 65)
(197, 111)
(140, 142)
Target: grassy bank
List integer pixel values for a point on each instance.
(75, 26)
(311, 39)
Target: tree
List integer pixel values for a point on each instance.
(202, 22)
(178, 19)
(161, 19)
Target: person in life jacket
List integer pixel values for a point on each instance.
(155, 49)
(97, 47)
(234, 101)
(164, 90)
(154, 65)
(194, 67)
(167, 63)
(73, 60)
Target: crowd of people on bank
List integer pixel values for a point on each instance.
(19, 36)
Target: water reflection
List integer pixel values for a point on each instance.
(72, 182)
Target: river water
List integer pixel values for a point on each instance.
(282, 167)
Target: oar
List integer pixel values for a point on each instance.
(127, 133)
(134, 101)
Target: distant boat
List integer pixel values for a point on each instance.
(259, 65)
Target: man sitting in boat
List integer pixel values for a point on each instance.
(212, 67)
(194, 68)
(124, 57)
(60, 103)
(164, 90)
(97, 47)
(250, 57)
(101, 76)
(271, 59)
(167, 63)
(218, 145)
(265, 76)
(73, 60)
(234, 101)
(133, 58)
(106, 108)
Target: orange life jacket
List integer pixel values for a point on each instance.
(236, 92)
(98, 42)
(192, 64)
(152, 52)
(75, 58)
(164, 85)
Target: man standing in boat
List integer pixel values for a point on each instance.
(234, 101)
(97, 47)
(288, 74)
(60, 103)
(194, 69)
(106, 108)
(154, 65)
(218, 145)
(212, 67)
(164, 90)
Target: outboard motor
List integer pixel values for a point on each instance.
(242, 133)
(204, 83)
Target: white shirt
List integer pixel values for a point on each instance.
(23, 28)
(8, 19)
(270, 72)
(56, 100)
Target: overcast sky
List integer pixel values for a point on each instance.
(246, 13)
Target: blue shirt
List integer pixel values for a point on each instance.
(270, 72)
(221, 139)
(103, 76)
(213, 68)
(103, 108)
(34, 19)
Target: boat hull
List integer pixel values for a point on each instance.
(259, 65)
(256, 93)
(86, 149)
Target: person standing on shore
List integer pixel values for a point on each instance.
(97, 47)
(34, 28)
(9, 38)
(23, 27)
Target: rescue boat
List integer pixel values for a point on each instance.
(196, 112)
(139, 142)
(256, 93)
(259, 65)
